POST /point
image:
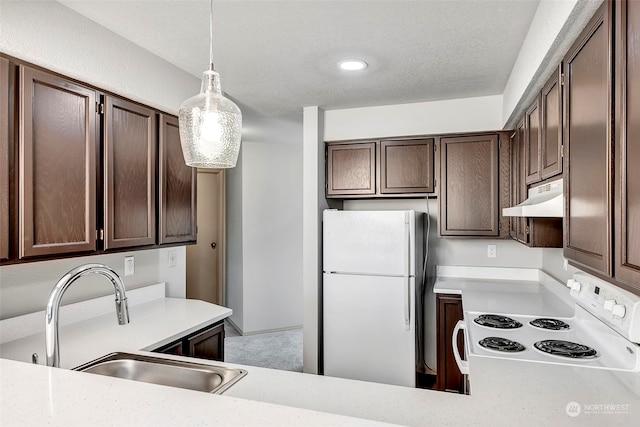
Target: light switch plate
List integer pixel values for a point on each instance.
(172, 258)
(129, 266)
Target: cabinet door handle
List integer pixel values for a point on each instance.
(213, 245)
(463, 365)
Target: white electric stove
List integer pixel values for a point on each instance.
(602, 334)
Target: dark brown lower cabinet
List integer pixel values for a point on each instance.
(448, 313)
(207, 343)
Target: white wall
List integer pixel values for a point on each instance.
(456, 115)
(25, 288)
(50, 35)
(553, 29)
(53, 36)
(234, 259)
(264, 281)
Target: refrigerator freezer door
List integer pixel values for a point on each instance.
(369, 242)
(365, 334)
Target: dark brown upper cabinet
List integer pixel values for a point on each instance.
(4, 158)
(627, 118)
(533, 232)
(384, 168)
(129, 174)
(177, 187)
(589, 141)
(57, 146)
(469, 186)
(406, 166)
(551, 135)
(351, 169)
(532, 142)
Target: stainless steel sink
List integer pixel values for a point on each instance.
(174, 373)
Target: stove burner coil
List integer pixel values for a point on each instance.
(501, 344)
(550, 324)
(496, 321)
(566, 349)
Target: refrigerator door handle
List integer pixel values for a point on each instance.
(407, 260)
(407, 305)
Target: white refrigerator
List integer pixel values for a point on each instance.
(371, 261)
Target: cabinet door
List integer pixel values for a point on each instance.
(469, 198)
(588, 136)
(57, 165)
(351, 169)
(176, 348)
(177, 192)
(208, 344)
(448, 313)
(627, 185)
(514, 182)
(551, 150)
(406, 166)
(523, 223)
(532, 142)
(4, 158)
(518, 191)
(129, 174)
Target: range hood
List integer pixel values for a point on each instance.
(544, 201)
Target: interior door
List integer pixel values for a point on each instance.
(205, 259)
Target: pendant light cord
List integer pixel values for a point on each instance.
(211, 67)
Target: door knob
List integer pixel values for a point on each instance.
(213, 245)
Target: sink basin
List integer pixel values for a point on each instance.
(174, 373)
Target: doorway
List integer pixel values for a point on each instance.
(205, 259)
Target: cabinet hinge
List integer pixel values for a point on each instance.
(99, 108)
(100, 235)
(562, 79)
(526, 230)
(499, 144)
(562, 150)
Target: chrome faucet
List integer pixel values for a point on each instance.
(53, 305)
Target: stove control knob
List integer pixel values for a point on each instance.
(575, 286)
(608, 304)
(619, 310)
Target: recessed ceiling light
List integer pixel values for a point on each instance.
(352, 65)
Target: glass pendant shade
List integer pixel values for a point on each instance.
(210, 127)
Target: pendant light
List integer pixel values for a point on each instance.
(210, 124)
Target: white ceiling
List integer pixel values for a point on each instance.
(279, 56)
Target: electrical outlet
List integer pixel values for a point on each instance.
(491, 251)
(129, 266)
(172, 258)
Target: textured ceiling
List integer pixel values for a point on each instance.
(279, 56)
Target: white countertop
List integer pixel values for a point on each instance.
(152, 324)
(504, 393)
